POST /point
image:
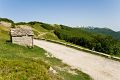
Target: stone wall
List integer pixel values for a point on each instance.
(23, 40)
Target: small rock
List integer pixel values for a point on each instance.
(52, 70)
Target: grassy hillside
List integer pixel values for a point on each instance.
(101, 40)
(7, 20)
(91, 40)
(16, 62)
(40, 31)
(98, 40)
(23, 63)
(34, 63)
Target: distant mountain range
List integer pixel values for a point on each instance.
(106, 31)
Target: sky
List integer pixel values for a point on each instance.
(97, 13)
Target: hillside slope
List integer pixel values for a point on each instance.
(91, 40)
(24, 63)
(39, 30)
(107, 42)
(17, 62)
(94, 40)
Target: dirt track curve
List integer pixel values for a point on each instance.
(99, 68)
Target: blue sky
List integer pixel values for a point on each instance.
(98, 13)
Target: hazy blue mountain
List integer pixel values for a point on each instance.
(107, 31)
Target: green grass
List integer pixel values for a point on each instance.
(40, 32)
(24, 63)
(68, 76)
(19, 63)
(23, 70)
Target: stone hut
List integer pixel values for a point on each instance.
(22, 36)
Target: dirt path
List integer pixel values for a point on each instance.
(99, 68)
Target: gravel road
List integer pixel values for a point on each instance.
(99, 68)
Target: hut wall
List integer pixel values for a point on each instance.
(23, 40)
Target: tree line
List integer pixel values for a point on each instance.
(93, 41)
